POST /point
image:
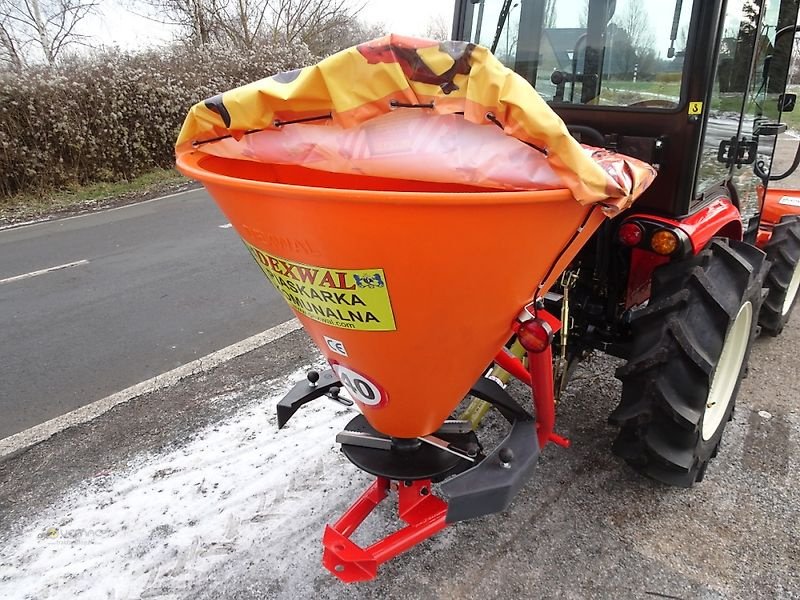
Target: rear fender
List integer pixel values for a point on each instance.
(718, 218)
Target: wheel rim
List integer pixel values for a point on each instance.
(791, 293)
(728, 369)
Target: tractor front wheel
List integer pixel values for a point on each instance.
(783, 279)
(689, 353)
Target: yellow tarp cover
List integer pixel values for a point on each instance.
(371, 79)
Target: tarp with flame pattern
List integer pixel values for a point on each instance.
(369, 80)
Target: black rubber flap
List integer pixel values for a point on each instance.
(490, 486)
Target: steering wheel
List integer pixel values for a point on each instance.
(654, 103)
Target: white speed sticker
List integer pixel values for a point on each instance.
(790, 201)
(360, 388)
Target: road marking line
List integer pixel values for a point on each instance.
(25, 223)
(39, 433)
(226, 226)
(44, 220)
(77, 263)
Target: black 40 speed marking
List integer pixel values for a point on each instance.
(359, 386)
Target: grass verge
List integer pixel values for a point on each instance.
(80, 199)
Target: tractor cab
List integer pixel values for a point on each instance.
(693, 87)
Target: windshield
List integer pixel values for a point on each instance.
(591, 52)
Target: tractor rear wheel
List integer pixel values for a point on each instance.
(689, 353)
(783, 280)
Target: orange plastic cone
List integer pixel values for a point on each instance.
(408, 293)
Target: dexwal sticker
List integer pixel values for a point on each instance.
(349, 299)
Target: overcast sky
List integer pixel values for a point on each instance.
(409, 17)
(118, 26)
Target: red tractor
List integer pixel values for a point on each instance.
(710, 255)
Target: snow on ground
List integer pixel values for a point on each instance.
(172, 520)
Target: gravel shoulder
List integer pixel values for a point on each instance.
(17, 211)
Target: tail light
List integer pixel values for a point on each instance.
(631, 234)
(535, 335)
(660, 237)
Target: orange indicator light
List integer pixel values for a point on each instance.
(664, 242)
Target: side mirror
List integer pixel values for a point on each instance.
(786, 102)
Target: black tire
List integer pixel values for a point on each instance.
(678, 341)
(783, 252)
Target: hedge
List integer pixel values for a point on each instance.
(113, 116)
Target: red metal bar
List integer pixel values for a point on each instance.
(540, 366)
(415, 503)
(512, 365)
(424, 513)
(560, 441)
(407, 537)
(417, 506)
(541, 369)
(362, 507)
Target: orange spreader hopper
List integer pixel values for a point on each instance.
(397, 279)
(393, 276)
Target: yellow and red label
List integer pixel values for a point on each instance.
(349, 299)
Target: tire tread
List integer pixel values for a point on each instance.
(676, 344)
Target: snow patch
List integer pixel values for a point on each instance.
(173, 521)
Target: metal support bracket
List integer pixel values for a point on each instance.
(489, 391)
(423, 513)
(316, 386)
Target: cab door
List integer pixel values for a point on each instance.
(743, 114)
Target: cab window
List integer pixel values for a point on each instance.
(591, 52)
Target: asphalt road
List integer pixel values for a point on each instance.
(163, 283)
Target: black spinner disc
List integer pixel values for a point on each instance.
(423, 462)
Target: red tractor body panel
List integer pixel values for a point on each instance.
(777, 203)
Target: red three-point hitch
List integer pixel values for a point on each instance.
(423, 513)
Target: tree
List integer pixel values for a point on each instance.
(583, 17)
(322, 25)
(736, 53)
(245, 22)
(437, 29)
(198, 22)
(41, 28)
(306, 21)
(633, 40)
(9, 53)
(346, 32)
(635, 20)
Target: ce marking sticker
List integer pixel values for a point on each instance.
(335, 346)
